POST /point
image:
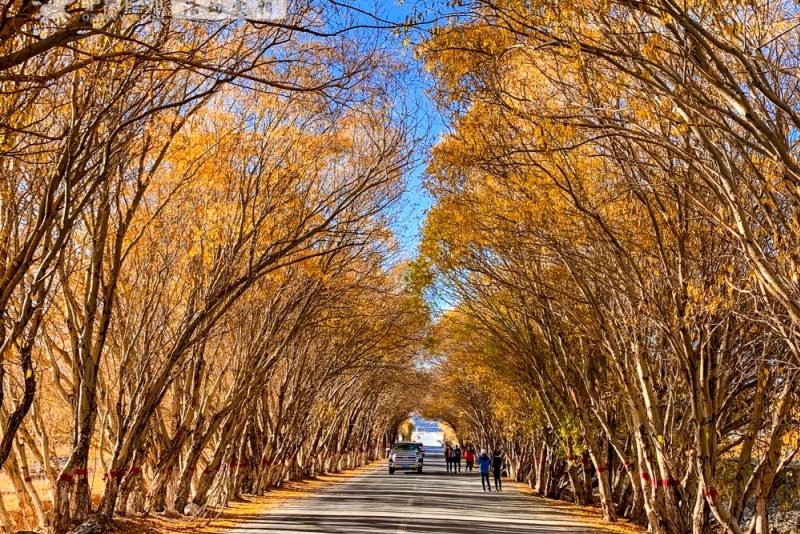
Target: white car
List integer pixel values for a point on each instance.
(406, 456)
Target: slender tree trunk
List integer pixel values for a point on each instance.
(31, 489)
(23, 497)
(5, 519)
(165, 468)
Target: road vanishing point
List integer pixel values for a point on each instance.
(433, 502)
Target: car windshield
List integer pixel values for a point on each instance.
(397, 447)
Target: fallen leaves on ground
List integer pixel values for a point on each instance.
(591, 516)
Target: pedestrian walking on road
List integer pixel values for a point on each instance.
(484, 463)
(497, 468)
(469, 457)
(448, 457)
(457, 459)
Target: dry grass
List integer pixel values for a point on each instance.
(236, 512)
(592, 516)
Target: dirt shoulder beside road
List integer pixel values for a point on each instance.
(590, 515)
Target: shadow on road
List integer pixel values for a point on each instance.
(433, 502)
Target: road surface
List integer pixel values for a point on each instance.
(433, 502)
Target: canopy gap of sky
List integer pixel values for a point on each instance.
(428, 123)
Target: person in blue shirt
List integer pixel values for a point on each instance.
(484, 463)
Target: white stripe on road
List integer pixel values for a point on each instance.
(410, 504)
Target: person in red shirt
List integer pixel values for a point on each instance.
(469, 457)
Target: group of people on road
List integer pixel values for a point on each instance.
(453, 455)
(486, 463)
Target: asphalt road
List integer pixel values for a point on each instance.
(433, 502)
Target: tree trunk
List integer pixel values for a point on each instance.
(181, 498)
(5, 519)
(25, 501)
(73, 501)
(164, 470)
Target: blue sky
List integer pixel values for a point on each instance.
(415, 202)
